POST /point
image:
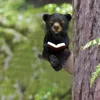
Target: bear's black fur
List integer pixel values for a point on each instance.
(56, 32)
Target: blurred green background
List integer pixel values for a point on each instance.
(23, 76)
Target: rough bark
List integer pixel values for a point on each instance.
(86, 27)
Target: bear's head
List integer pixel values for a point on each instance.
(57, 23)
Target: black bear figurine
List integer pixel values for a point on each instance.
(56, 32)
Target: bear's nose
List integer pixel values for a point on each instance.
(56, 27)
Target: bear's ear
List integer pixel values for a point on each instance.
(68, 16)
(45, 17)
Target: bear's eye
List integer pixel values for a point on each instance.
(51, 22)
(62, 21)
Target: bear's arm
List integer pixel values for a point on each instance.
(67, 42)
(45, 52)
(45, 45)
(65, 39)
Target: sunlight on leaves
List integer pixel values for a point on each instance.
(64, 8)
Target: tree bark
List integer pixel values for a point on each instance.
(86, 27)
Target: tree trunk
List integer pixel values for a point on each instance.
(86, 28)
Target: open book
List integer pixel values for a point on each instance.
(56, 47)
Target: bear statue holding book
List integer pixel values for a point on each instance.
(56, 40)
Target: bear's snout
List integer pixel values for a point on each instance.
(56, 27)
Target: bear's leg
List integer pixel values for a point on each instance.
(55, 63)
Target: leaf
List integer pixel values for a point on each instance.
(92, 43)
(95, 75)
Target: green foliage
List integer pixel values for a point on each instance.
(95, 75)
(22, 74)
(64, 8)
(92, 43)
(44, 94)
(6, 5)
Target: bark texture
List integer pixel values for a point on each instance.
(86, 27)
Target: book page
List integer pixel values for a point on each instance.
(56, 46)
(60, 45)
(51, 44)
